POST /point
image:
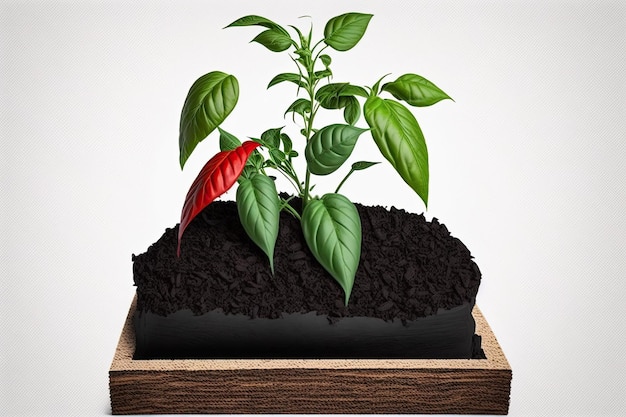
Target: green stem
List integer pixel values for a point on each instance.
(309, 128)
(343, 180)
(291, 180)
(318, 44)
(291, 210)
(319, 52)
(294, 175)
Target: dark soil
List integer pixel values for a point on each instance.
(409, 268)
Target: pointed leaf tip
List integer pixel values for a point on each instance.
(343, 32)
(332, 229)
(259, 212)
(415, 90)
(330, 147)
(401, 141)
(210, 100)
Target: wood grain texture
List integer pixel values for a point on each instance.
(311, 386)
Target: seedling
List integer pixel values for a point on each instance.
(330, 223)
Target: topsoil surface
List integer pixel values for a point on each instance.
(409, 268)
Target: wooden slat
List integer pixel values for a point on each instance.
(457, 386)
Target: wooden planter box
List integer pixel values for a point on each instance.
(310, 386)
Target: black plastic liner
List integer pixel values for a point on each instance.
(449, 334)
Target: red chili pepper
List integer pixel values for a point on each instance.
(217, 177)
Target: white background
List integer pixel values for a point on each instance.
(527, 168)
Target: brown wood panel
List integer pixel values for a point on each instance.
(311, 386)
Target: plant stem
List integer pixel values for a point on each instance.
(294, 174)
(291, 176)
(309, 126)
(291, 210)
(343, 180)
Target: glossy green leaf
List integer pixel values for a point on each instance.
(227, 141)
(345, 31)
(323, 74)
(400, 140)
(271, 138)
(300, 106)
(269, 163)
(259, 211)
(256, 159)
(274, 40)
(277, 156)
(329, 96)
(332, 230)
(304, 56)
(335, 95)
(332, 89)
(342, 90)
(361, 165)
(248, 171)
(303, 41)
(209, 101)
(353, 90)
(287, 143)
(254, 20)
(352, 110)
(415, 90)
(330, 147)
(326, 60)
(291, 77)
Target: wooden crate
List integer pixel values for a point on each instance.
(352, 386)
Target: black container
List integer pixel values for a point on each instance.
(449, 334)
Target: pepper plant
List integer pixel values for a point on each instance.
(330, 223)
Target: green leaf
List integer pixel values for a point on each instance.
(353, 90)
(323, 74)
(259, 211)
(330, 147)
(332, 89)
(287, 143)
(332, 230)
(300, 106)
(352, 110)
(209, 101)
(227, 141)
(254, 20)
(303, 41)
(361, 165)
(271, 138)
(248, 171)
(326, 60)
(274, 40)
(291, 77)
(256, 160)
(345, 31)
(304, 56)
(277, 156)
(329, 96)
(334, 95)
(399, 138)
(415, 90)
